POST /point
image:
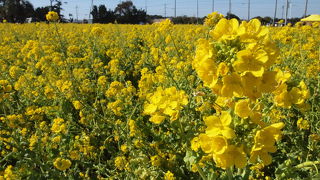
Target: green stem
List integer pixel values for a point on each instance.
(7, 156)
(60, 40)
(229, 174)
(201, 172)
(307, 164)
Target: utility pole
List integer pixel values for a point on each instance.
(248, 10)
(146, 6)
(212, 5)
(287, 7)
(305, 8)
(197, 11)
(165, 10)
(77, 13)
(275, 12)
(290, 8)
(120, 7)
(51, 8)
(91, 7)
(175, 8)
(282, 11)
(229, 6)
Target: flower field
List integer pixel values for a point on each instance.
(223, 100)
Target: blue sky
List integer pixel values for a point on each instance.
(188, 7)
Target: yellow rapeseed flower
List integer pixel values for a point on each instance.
(232, 156)
(242, 108)
(225, 30)
(219, 125)
(303, 124)
(212, 19)
(58, 126)
(62, 164)
(215, 144)
(120, 162)
(52, 16)
(169, 176)
(264, 143)
(251, 60)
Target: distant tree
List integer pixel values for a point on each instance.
(150, 18)
(267, 20)
(106, 16)
(294, 20)
(56, 6)
(15, 10)
(95, 14)
(231, 16)
(29, 9)
(187, 20)
(124, 8)
(258, 17)
(40, 13)
(102, 11)
(102, 15)
(264, 20)
(127, 13)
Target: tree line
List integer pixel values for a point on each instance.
(124, 13)
(17, 11)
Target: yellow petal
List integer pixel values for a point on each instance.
(157, 119)
(228, 133)
(150, 108)
(219, 144)
(225, 118)
(242, 108)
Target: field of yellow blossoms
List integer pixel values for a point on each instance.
(223, 100)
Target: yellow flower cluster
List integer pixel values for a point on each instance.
(235, 64)
(52, 16)
(215, 142)
(5, 89)
(163, 102)
(169, 176)
(58, 126)
(243, 71)
(120, 162)
(264, 143)
(62, 164)
(297, 95)
(303, 124)
(8, 173)
(212, 19)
